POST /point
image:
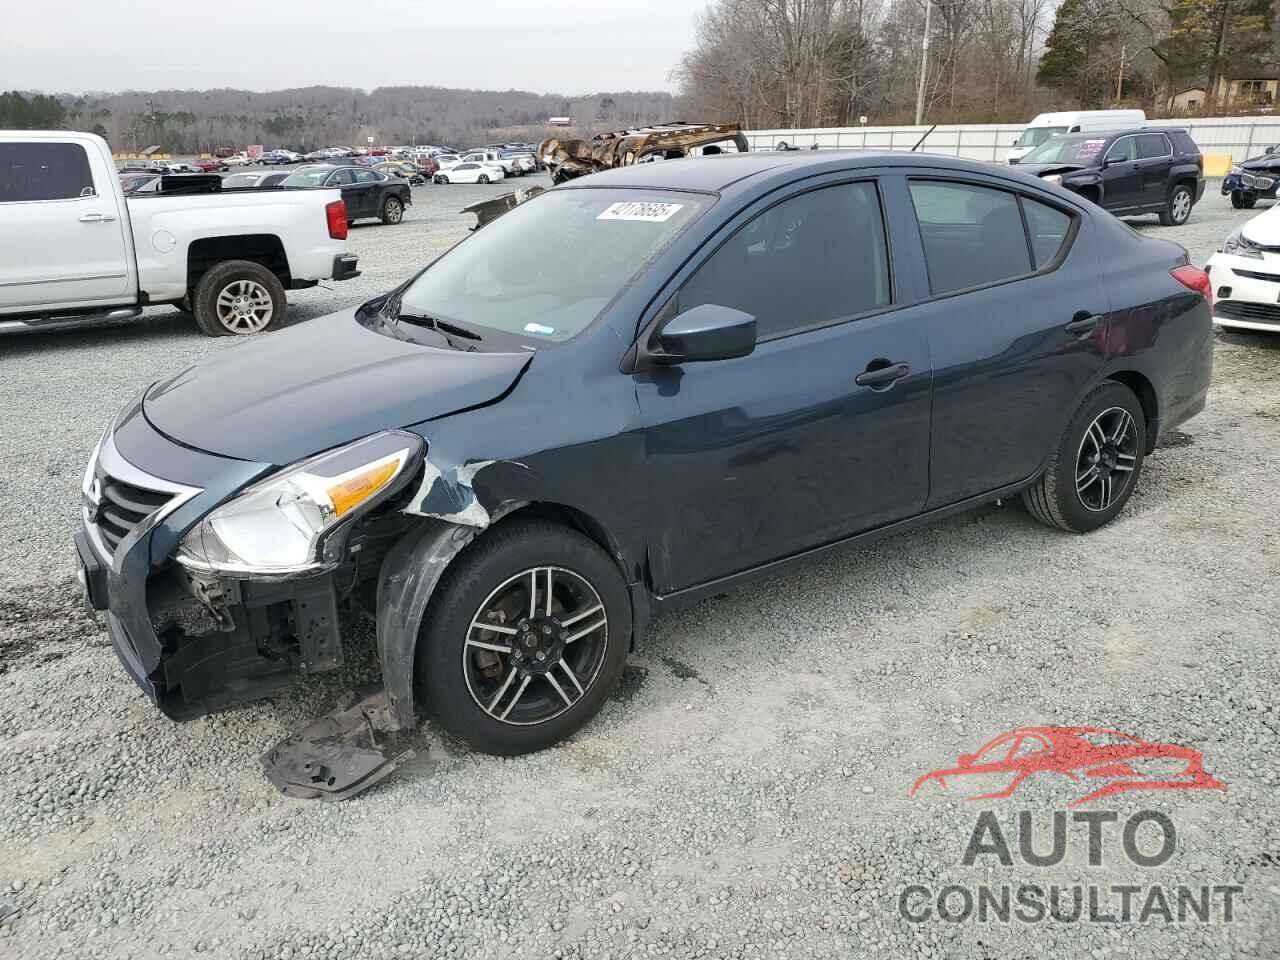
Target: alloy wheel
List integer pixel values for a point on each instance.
(244, 306)
(1181, 206)
(394, 211)
(1105, 460)
(535, 646)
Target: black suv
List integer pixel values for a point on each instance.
(1126, 172)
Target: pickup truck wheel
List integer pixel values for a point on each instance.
(524, 639)
(1177, 211)
(392, 210)
(1096, 465)
(239, 298)
(1243, 199)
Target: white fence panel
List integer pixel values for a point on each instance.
(1241, 137)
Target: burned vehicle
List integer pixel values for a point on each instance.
(567, 159)
(627, 394)
(570, 159)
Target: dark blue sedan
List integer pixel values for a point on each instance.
(1254, 179)
(627, 394)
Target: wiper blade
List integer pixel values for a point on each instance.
(442, 326)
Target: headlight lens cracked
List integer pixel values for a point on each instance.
(280, 525)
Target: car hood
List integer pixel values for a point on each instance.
(1043, 169)
(1268, 162)
(319, 384)
(1264, 229)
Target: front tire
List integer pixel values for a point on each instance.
(1178, 209)
(524, 638)
(392, 210)
(1096, 465)
(239, 298)
(1243, 199)
(483, 178)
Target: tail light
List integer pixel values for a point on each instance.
(1193, 278)
(335, 215)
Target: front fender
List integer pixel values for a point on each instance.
(409, 575)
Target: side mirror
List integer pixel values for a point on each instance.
(706, 332)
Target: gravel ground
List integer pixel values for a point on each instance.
(746, 792)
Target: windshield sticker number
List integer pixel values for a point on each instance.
(650, 211)
(1091, 148)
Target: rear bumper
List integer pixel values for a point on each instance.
(344, 267)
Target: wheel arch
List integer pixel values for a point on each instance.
(1147, 397)
(266, 249)
(412, 569)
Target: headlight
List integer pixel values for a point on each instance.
(1236, 171)
(1239, 246)
(1052, 178)
(284, 525)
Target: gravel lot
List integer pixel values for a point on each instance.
(745, 794)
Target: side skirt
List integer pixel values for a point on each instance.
(691, 595)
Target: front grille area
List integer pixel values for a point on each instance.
(1253, 312)
(1255, 275)
(123, 506)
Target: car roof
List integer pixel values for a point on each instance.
(720, 171)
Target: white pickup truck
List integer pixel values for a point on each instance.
(74, 250)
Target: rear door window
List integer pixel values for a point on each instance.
(44, 171)
(806, 262)
(972, 235)
(1152, 146)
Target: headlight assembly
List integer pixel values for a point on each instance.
(1052, 178)
(284, 525)
(1240, 246)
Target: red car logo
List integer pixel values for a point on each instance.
(1081, 753)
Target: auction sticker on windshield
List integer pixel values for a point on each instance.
(652, 211)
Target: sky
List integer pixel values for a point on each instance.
(554, 46)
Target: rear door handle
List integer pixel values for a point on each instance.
(96, 218)
(1086, 324)
(882, 375)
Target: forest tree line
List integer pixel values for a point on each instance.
(817, 63)
(187, 121)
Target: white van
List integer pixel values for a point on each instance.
(1048, 125)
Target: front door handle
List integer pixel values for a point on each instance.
(96, 218)
(881, 373)
(1083, 324)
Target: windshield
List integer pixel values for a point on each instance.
(1079, 149)
(547, 268)
(307, 178)
(1034, 136)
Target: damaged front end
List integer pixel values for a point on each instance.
(223, 607)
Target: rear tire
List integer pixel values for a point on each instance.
(1243, 199)
(483, 178)
(504, 703)
(239, 298)
(392, 210)
(1178, 209)
(1067, 495)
